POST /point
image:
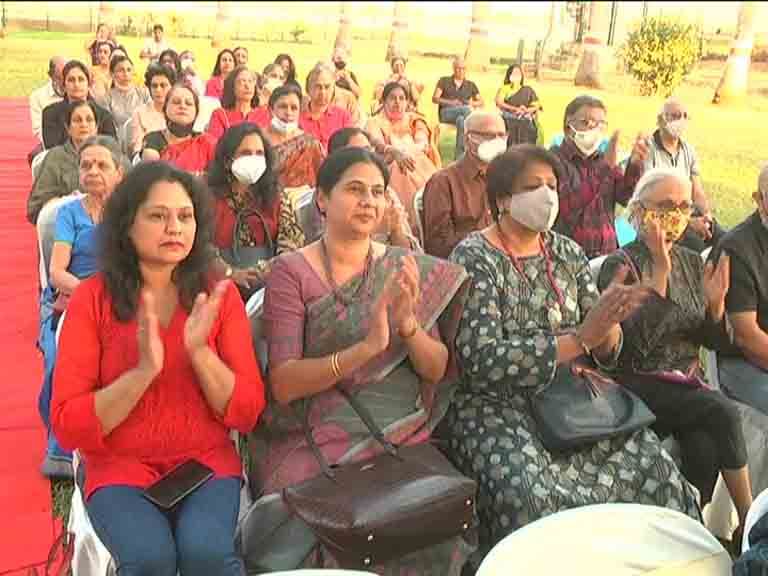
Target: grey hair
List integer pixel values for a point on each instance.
(120, 160)
(318, 69)
(762, 181)
(479, 114)
(647, 184)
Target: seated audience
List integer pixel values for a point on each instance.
(179, 144)
(76, 82)
(272, 77)
(241, 56)
(413, 88)
(393, 228)
(187, 67)
(104, 33)
(660, 358)
(101, 76)
(398, 362)
(533, 309)
(124, 97)
(225, 63)
(149, 117)
(592, 182)
(60, 171)
(298, 154)
(74, 257)
(251, 210)
(667, 148)
(345, 78)
(744, 370)
(519, 105)
(288, 66)
(151, 374)
(409, 133)
(49, 93)
(155, 45)
(239, 103)
(321, 115)
(455, 202)
(173, 60)
(456, 97)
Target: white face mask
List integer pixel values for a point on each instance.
(187, 63)
(588, 141)
(249, 169)
(675, 128)
(284, 127)
(489, 149)
(535, 209)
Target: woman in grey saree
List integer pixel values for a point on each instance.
(329, 325)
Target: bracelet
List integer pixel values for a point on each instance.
(412, 332)
(335, 366)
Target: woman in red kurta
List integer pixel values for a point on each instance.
(239, 103)
(151, 373)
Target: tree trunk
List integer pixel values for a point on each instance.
(344, 35)
(478, 53)
(590, 69)
(398, 45)
(107, 14)
(732, 89)
(221, 26)
(546, 42)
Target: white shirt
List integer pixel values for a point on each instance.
(155, 49)
(38, 100)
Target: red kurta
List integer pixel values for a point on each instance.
(172, 422)
(223, 119)
(333, 119)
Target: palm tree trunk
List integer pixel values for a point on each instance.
(554, 20)
(478, 53)
(733, 85)
(107, 14)
(344, 35)
(595, 41)
(221, 26)
(397, 39)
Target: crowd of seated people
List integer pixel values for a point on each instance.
(277, 188)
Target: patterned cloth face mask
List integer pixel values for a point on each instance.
(672, 222)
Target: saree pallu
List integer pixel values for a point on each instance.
(387, 386)
(192, 155)
(298, 160)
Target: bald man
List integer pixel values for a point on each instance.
(455, 203)
(744, 372)
(667, 148)
(49, 93)
(456, 97)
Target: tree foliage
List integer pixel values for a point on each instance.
(660, 53)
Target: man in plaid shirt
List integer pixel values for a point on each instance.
(591, 183)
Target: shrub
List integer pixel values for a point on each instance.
(660, 53)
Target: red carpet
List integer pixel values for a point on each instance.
(26, 525)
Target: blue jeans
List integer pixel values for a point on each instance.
(455, 115)
(47, 344)
(744, 382)
(196, 538)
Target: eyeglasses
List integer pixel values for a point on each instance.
(588, 124)
(487, 135)
(676, 116)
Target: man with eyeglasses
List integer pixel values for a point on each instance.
(455, 203)
(667, 148)
(591, 182)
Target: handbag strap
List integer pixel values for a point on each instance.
(629, 262)
(242, 220)
(366, 418)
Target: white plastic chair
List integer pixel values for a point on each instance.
(46, 227)
(610, 539)
(758, 509)
(124, 135)
(418, 209)
(254, 308)
(207, 106)
(37, 162)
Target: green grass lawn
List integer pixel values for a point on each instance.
(728, 141)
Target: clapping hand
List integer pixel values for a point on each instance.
(200, 321)
(151, 349)
(717, 280)
(405, 296)
(640, 150)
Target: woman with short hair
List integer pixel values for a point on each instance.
(149, 117)
(239, 103)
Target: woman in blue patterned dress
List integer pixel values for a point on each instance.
(533, 306)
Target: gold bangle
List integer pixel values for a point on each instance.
(335, 366)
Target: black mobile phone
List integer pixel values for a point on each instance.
(178, 483)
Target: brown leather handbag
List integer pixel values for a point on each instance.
(403, 500)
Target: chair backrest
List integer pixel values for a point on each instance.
(124, 135)
(207, 106)
(758, 509)
(418, 209)
(254, 308)
(37, 163)
(46, 227)
(622, 539)
(307, 214)
(595, 264)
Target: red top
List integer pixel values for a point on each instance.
(225, 219)
(172, 421)
(222, 120)
(333, 119)
(215, 87)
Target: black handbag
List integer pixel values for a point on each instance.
(239, 256)
(403, 500)
(581, 407)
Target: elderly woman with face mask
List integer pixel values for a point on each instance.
(660, 358)
(533, 310)
(179, 144)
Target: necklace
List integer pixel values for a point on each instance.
(521, 272)
(364, 283)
